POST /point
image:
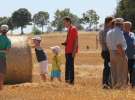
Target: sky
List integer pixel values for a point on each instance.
(102, 7)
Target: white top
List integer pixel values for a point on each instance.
(115, 37)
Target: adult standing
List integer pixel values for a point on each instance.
(71, 47)
(105, 52)
(117, 46)
(130, 51)
(5, 45)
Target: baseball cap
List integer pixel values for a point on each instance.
(36, 38)
(118, 20)
(4, 27)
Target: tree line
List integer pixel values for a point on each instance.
(126, 10)
(23, 17)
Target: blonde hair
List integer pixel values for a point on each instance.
(56, 49)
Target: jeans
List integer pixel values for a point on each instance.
(69, 70)
(106, 71)
(131, 70)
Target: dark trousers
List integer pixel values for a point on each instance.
(69, 70)
(106, 71)
(3, 66)
(131, 70)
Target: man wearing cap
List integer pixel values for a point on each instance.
(71, 47)
(5, 45)
(117, 46)
(130, 51)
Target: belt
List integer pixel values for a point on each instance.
(113, 51)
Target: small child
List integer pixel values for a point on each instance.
(56, 63)
(41, 57)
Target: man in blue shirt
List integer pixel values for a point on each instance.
(130, 51)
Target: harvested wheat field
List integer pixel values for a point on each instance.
(88, 74)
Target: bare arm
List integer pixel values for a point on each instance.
(75, 47)
(4, 51)
(100, 38)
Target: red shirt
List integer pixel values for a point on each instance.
(70, 41)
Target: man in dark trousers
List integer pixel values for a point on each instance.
(105, 52)
(130, 51)
(71, 48)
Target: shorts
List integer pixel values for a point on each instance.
(3, 66)
(43, 67)
(56, 73)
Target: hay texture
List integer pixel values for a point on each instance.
(19, 61)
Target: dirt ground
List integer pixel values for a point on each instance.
(88, 76)
(87, 87)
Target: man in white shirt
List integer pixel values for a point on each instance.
(117, 46)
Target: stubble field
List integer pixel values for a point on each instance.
(88, 76)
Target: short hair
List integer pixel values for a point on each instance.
(108, 19)
(68, 19)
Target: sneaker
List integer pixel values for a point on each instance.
(71, 83)
(106, 86)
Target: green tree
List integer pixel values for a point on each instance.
(10, 24)
(58, 19)
(3, 20)
(7, 21)
(21, 18)
(90, 17)
(36, 31)
(126, 10)
(41, 19)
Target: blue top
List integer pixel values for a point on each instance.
(130, 39)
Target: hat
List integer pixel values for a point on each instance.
(37, 38)
(56, 49)
(128, 22)
(118, 20)
(4, 27)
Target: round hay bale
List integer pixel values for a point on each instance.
(19, 61)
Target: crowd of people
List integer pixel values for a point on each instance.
(118, 51)
(71, 48)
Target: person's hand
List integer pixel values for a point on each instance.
(73, 54)
(126, 59)
(119, 52)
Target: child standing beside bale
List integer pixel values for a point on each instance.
(41, 57)
(56, 63)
